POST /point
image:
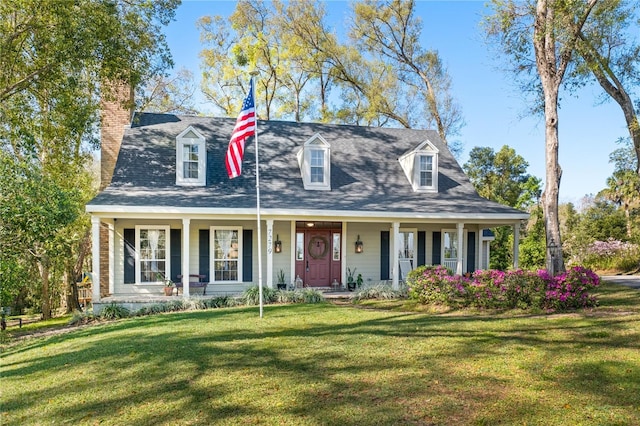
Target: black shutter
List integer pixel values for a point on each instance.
(422, 247)
(204, 254)
(176, 254)
(247, 255)
(436, 247)
(129, 256)
(471, 251)
(384, 255)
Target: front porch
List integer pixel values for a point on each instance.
(134, 254)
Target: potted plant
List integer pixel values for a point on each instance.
(351, 280)
(359, 281)
(168, 287)
(281, 284)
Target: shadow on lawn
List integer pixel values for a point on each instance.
(344, 366)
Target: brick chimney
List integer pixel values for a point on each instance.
(117, 111)
(116, 114)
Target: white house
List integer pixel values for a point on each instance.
(332, 197)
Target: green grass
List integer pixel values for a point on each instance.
(334, 365)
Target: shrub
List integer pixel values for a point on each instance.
(569, 290)
(612, 254)
(380, 291)
(312, 296)
(434, 285)
(114, 311)
(251, 296)
(79, 318)
(493, 289)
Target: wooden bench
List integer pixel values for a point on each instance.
(195, 281)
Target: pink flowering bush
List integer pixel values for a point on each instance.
(569, 290)
(493, 289)
(611, 254)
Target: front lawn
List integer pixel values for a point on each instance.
(334, 365)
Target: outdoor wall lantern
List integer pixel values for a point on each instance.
(277, 245)
(553, 252)
(359, 248)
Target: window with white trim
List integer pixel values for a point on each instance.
(425, 170)
(420, 165)
(317, 166)
(314, 160)
(152, 254)
(191, 158)
(226, 249)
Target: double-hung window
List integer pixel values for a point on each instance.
(420, 165)
(315, 164)
(226, 249)
(191, 158)
(425, 171)
(153, 257)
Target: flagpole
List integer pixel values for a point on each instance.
(253, 86)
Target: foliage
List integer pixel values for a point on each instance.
(493, 289)
(54, 67)
(532, 246)
(81, 317)
(598, 222)
(609, 52)
(379, 291)
(610, 255)
(502, 177)
(378, 76)
(539, 38)
(114, 311)
(170, 95)
(351, 275)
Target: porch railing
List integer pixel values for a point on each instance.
(452, 264)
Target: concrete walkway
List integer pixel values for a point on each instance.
(632, 281)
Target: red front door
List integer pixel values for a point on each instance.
(318, 254)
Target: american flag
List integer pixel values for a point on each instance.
(245, 127)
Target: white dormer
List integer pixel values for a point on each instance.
(191, 158)
(314, 160)
(421, 167)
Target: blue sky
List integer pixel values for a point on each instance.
(491, 105)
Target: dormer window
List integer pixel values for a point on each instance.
(317, 166)
(191, 158)
(420, 165)
(314, 160)
(425, 170)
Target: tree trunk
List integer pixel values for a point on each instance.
(43, 268)
(552, 187)
(544, 43)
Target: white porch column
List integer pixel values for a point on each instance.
(516, 245)
(343, 251)
(294, 243)
(112, 256)
(269, 253)
(95, 253)
(186, 230)
(480, 247)
(395, 258)
(459, 264)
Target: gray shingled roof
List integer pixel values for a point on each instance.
(365, 172)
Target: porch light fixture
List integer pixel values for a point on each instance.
(277, 245)
(553, 252)
(359, 248)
